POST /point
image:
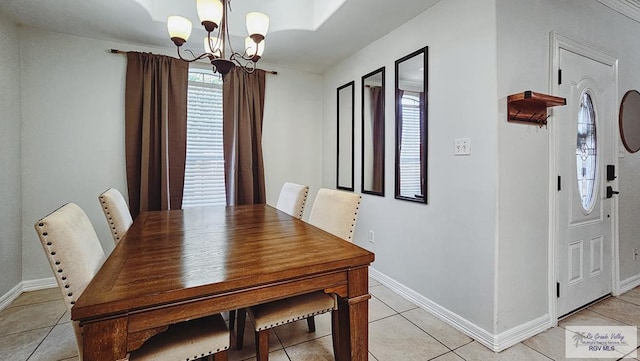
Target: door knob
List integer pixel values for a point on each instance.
(611, 192)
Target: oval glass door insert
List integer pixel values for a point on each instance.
(587, 152)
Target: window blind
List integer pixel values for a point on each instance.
(204, 167)
(410, 151)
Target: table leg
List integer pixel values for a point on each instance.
(105, 340)
(353, 317)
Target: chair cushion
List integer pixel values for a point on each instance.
(276, 313)
(196, 338)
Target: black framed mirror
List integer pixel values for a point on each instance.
(630, 121)
(411, 126)
(373, 132)
(344, 165)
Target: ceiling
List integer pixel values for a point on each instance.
(310, 35)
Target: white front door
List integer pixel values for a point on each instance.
(584, 147)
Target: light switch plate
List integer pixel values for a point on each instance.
(462, 146)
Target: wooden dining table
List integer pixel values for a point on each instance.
(179, 265)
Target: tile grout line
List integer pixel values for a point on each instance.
(49, 333)
(611, 318)
(40, 343)
(281, 344)
(425, 331)
(540, 352)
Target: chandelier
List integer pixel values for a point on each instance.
(213, 15)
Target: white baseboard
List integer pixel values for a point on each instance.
(495, 343)
(25, 286)
(34, 285)
(522, 332)
(10, 296)
(629, 283)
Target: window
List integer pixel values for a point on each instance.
(410, 161)
(586, 152)
(204, 168)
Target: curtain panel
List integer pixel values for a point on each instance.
(155, 131)
(243, 109)
(377, 111)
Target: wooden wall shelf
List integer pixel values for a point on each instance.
(531, 108)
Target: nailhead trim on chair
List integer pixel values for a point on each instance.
(306, 193)
(116, 236)
(353, 224)
(51, 255)
(203, 355)
(295, 319)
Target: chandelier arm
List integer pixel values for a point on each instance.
(244, 56)
(248, 65)
(195, 58)
(225, 27)
(212, 45)
(234, 57)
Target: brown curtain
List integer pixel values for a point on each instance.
(243, 108)
(155, 131)
(377, 112)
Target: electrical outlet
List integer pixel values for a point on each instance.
(372, 237)
(462, 146)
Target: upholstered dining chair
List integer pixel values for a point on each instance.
(293, 198)
(75, 255)
(335, 212)
(117, 212)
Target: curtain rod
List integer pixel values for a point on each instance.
(116, 51)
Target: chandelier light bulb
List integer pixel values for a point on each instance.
(210, 13)
(257, 25)
(179, 29)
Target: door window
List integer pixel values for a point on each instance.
(586, 152)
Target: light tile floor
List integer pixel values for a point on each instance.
(37, 327)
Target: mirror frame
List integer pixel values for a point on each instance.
(350, 125)
(630, 120)
(380, 152)
(423, 136)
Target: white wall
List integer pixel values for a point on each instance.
(524, 28)
(10, 193)
(73, 121)
(292, 132)
(444, 250)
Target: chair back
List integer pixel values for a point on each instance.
(117, 212)
(74, 253)
(335, 212)
(293, 198)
